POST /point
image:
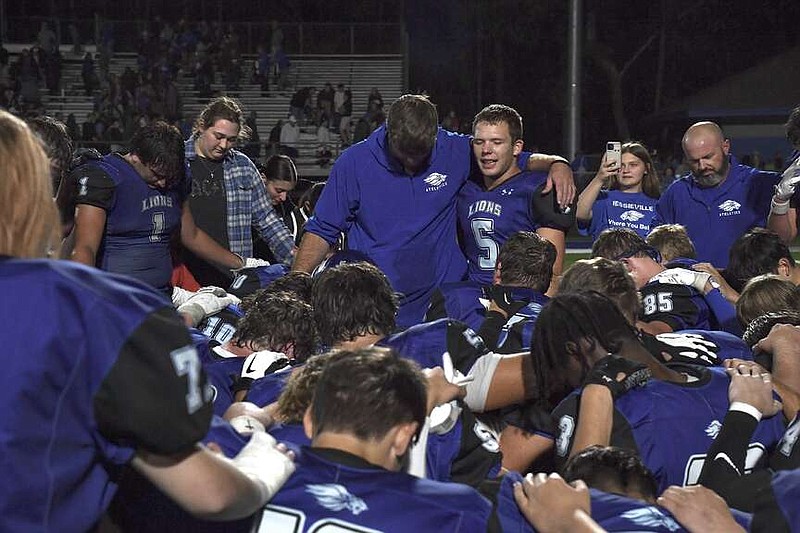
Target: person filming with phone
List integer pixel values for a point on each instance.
(623, 193)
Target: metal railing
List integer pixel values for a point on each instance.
(298, 38)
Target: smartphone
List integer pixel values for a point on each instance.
(614, 153)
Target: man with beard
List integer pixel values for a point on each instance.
(720, 199)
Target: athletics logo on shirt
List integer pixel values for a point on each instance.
(631, 215)
(650, 517)
(84, 186)
(435, 181)
(713, 429)
(506, 192)
(729, 207)
(335, 497)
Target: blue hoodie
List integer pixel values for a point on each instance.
(405, 224)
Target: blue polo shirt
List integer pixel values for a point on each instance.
(715, 217)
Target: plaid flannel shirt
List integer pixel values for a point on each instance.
(248, 206)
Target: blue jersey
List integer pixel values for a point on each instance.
(139, 219)
(405, 224)
(337, 489)
(715, 217)
(222, 371)
(669, 425)
(425, 344)
(140, 506)
(776, 507)
(266, 390)
(221, 326)
(486, 219)
(97, 366)
(617, 209)
(465, 301)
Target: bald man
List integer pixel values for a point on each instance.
(720, 199)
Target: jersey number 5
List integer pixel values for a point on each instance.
(483, 229)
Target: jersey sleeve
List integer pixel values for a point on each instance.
(546, 213)
(675, 305)
(464, 345)
(338, 205)
(94, 187)
(156, 395)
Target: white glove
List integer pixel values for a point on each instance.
(264, 464)
(207, 301)
(683, 276)
(250, 262)
(180, 296)
(784, 190)
(257, 365)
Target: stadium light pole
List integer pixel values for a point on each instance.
(574, 82)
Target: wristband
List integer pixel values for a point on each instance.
(778, 207)
(746, 408)
(559, 159)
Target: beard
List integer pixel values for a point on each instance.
(715, 178)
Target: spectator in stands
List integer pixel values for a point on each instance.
(221, 175)
(721, 198)
(325, 103)
(89, 74)
(262, 67)
(299, 102)
(342, 107)
(279, 64)
(47, 38)
(324, 152)
(290, 137)
(451, 122)
(374, 98)
(620, 197)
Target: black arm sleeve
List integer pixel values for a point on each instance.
(156, 395)
(437, 308)
(723, 470)
(546, 213)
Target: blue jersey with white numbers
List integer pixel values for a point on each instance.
(139, 219)
(334, 489)
(678, 306)
(670, 425)
(486, 219)
(97, 365)
(617, 209)
(715, 217)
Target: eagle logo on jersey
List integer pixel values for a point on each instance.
(335, 497)
(435, 181)
(730, 206)
(631, 215)
(713, 429)
(84, 183)
(650, 517)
